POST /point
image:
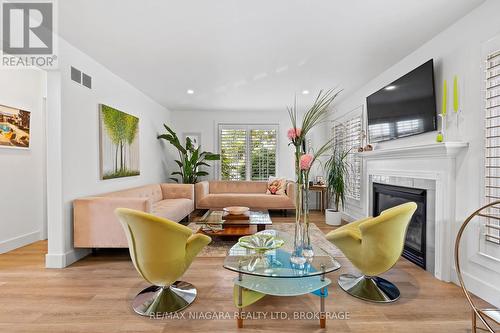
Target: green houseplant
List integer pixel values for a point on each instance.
(190, 158)
(337, 169)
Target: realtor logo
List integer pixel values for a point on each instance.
(27, 28)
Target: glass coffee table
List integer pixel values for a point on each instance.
(217, 223)
(279, 277)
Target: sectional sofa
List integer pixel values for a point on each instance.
(220, 194)
(95, 223)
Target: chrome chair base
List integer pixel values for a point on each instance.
(369, 288)
(155, 301)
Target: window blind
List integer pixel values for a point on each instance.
(233, 150)
(492, 147)
(263, 153)
(347, 136)
(248, 152)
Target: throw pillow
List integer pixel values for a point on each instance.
(276, 186)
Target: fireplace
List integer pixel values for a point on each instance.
(387, 196)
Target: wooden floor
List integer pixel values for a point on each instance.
(94, 295)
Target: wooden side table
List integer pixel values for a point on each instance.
(321, 193)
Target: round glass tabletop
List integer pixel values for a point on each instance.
(276, 263)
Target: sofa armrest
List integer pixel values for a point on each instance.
(95, 223)
(290, 190)
(201, 189)
(177, 191)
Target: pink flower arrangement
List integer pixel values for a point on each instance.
(293, 133)
(306, 161)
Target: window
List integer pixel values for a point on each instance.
(248, 152)
(347, 136)
(233, 148)
(492, 147)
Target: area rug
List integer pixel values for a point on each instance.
(220, 247)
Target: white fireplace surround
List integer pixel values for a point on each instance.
(431, 162)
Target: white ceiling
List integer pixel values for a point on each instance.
(251, 54)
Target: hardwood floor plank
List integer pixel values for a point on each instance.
(94, 295)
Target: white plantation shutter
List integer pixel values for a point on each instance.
(492, 147)
(347, 136)
(262, 153)
(248, 152)
(233, 150)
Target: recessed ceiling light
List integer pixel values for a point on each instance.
(305, 92)
(390, 88)
(190, 91)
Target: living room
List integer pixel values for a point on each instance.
(250, 165)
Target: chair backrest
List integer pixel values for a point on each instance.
(384, 236)
(157, 246)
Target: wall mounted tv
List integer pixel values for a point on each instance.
(404, 107)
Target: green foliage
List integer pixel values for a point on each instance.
(122, 129)
(190, 158)
(119, 174)
(316, 114)
(337, 168)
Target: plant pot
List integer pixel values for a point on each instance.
(333, 217)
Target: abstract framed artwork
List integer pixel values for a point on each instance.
(14, 127)
(119, 143)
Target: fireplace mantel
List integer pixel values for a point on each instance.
(434, 162)
(441, 149)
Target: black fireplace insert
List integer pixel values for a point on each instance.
(387, 196)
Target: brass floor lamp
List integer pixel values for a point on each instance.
(485, 316)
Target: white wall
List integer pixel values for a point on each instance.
(22, 209)
(206, 122)
(76, 153)
(456, 51)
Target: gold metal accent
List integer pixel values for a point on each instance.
(482, 314)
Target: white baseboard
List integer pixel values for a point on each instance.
(65, 259)
(19, 241)
(482, 289)
(348, 217)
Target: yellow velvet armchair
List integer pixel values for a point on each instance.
(373, 245)
(161, 251)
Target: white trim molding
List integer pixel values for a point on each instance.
(19, 241)
(62, 260)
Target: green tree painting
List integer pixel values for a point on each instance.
(119, 143)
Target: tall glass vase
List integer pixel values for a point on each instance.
(297, 256)
(307, 248)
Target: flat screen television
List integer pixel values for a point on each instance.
(404, 107)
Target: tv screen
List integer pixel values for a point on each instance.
(405, 107)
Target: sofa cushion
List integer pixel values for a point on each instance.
(173, 209)
(252, 200)
(276, 186)
(217, 187)
(152, 192)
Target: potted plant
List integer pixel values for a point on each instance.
(190, 158)
(337, 168)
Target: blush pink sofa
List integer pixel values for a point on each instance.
(95, 223)
(220, 194)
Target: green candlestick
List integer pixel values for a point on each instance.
(455, 94)
(445, 94)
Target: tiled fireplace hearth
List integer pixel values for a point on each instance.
(426, 167)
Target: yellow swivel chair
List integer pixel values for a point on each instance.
(373, 245)
(161, 251)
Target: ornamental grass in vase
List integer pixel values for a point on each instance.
(316, 114)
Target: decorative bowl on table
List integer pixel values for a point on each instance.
(260, 243)
(236, 210)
